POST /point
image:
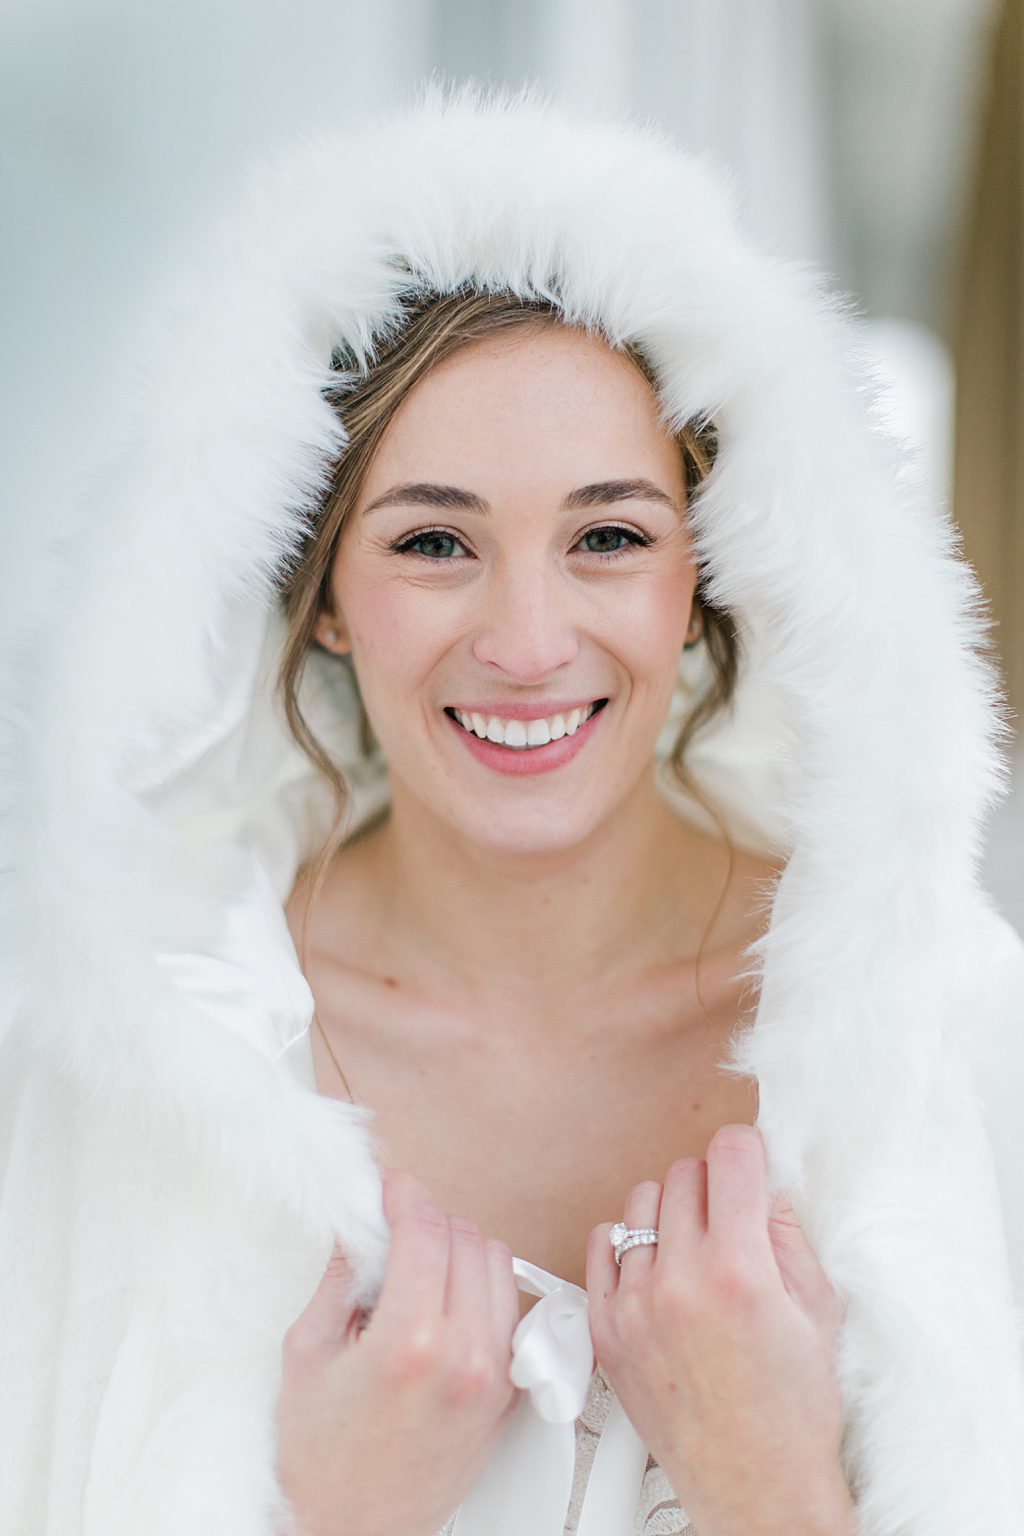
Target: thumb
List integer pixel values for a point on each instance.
(331, 1311)
(802, 1275)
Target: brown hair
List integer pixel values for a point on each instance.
(434, 326)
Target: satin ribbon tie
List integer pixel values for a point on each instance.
(525, 1488)
(552, 1355)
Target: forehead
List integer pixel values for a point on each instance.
(542, 397)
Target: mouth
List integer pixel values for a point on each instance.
(510, 744)
(524, 735)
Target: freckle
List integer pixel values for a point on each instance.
(389, 981)
(695, 1106)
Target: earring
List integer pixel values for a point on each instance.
(331, 636)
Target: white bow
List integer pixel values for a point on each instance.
(525, 1488)
(552, 1356)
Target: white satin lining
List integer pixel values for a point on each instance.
(526, 1486)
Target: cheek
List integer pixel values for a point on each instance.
(399, 632)
(644, 626)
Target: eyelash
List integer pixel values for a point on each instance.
(404, 545)
(634, 537)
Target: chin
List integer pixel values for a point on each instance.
(522, 831)
(536, 816)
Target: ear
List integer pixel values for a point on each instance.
(332, 633)
(695, 628)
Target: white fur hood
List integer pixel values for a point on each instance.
(172, 1183)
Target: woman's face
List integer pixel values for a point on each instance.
(515, 586)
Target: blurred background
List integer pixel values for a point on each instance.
(880, 139)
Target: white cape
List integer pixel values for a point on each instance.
(172, 1183)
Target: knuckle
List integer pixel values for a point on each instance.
(419, 1354)
(734, 1279)
(471, 1375)
(429, 1221)
(338, 1266)
(740, 1148)
(672, 1301)
(683, 1169)
(783, 1214)
(735, 1140)
(642, 1202)
(499, 1250)
(462, 1227)
(465, 1235)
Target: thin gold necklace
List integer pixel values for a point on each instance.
(337, 1063)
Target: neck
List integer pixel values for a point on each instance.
(629, 894)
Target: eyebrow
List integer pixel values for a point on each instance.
(605, 492)
(451, 498)
(445, 498)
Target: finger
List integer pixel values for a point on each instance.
(602, 1289)
(642, 1206)
(328, 1316)
(416, 1277)
(738, 1189)
(504, 1295)
(683, 1219)
(802, 1274)
(468, 1297)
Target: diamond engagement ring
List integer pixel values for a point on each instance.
(622, 1238)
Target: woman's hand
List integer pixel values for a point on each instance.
(385, 1424)
(720, 1343)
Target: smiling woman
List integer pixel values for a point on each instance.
(512, 574)
(485, 476)
(434, 328)
(495, 612)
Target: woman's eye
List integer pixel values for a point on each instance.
(436, 544)
(607, 541)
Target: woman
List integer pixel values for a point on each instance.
(503, 419)
(532, 943)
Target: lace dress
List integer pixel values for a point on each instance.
(657, 1512)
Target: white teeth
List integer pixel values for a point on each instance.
(522, 733)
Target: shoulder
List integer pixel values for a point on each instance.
(333, 911)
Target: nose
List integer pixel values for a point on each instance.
(527, 631)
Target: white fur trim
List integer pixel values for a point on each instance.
(173, 1186)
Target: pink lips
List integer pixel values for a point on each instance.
(516, 761)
